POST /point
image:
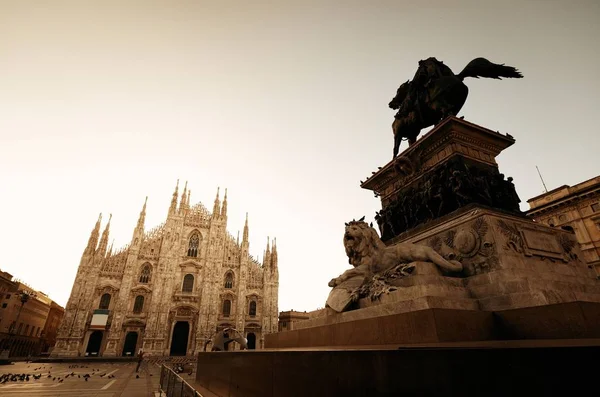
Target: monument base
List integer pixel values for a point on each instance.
(492, 369)
(434, 325)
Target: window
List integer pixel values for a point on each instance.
(596, 207)
(226, 307)
(568, 228)
(138, 304)
(145, 274)
(4, 305)
(229, 280)
(252, 308)
(188, 283)
(193, 245)
(105, 301)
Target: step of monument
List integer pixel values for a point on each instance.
(388, 307)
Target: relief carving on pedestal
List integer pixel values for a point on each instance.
(469, 246)
(531, 240)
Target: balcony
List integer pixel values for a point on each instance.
(186, 297)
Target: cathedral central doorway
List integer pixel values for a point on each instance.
(251, 341)
(93, 347)
(179, 340)
(130, 343)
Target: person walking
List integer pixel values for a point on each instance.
(140, 359)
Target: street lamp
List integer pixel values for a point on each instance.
(24, 296)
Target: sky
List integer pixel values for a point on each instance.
(103, 103)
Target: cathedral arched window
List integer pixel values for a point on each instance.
(252, 308)
(188, 283)
(226, 307)
(229, 280)
(194, 245)
(146, 274)
(138, 305)
(105, 301)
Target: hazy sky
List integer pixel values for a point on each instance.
(284, 103)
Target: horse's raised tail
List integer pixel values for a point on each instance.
(481, 67)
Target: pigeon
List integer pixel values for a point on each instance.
(60, 381)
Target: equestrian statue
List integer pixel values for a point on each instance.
(436, 93)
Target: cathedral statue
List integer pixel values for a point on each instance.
(435, 93)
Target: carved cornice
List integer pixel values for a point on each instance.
(142, 287)
(451, 130)
(197, 264)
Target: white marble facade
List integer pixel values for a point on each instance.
(171, 288)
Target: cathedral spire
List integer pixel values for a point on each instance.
(142, 218)
(237, 242)
(187, 204)
(267, 255)
(112, 243)
(224, 208)
(173, 206)
(274, 255)
(245, 235)
(216, 207)
(104, 239)
(182, 205)
(93, 240)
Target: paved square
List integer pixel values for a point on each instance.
(68, 379)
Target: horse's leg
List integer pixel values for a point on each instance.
(397, 140)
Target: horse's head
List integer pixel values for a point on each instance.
(400, 95)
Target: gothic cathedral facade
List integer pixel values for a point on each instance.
(171, 288)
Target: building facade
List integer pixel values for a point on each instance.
(288, 318)
(23, 325)
(576, 209)
(55, 315)
(171, 288)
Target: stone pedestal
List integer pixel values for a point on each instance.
(520, 279)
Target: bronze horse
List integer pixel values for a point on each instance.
(436, 93)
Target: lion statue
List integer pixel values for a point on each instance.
(370, 257)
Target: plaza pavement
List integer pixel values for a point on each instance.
(119, 380)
